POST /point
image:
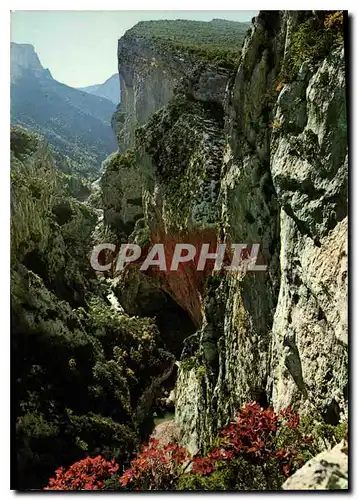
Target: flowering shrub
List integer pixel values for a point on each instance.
(87, 474)
(156, 467)
(256, 451)
(334, 21)
(260, 437)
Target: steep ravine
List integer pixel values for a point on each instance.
(250, 156)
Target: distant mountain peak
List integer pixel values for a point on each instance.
(110, 89)
(24, 57)
(76, 124)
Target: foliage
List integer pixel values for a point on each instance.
(156, 467)
(141, 234)
(109, 360)
(117, 181)
(80, 368)
(218, 41)
(173, 139)
(334, 22)
(87, 474)
(312, 41)
(77, 187)
(116, 161)
(324, 436)
(23, 143)
(251, 434)
(50, 230)
(33, 190)
(218, 480)
(256, 451)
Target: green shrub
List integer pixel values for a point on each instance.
(312, 42)
(220, 479)
(218, 41)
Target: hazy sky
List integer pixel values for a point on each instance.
(80, 47)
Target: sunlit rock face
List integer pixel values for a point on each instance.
(326, 471)
(310, 168)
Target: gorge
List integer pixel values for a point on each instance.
(230, 132)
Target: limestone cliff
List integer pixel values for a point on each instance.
(255, 155)
(24, 57)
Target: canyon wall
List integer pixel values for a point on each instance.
(258, 155)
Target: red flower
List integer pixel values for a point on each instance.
(156, 467)
(87, 474)
(204, 465)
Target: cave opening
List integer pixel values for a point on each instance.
(146, 298)
(174, 324)
(262, 399)
(331, 413)
(35, 263)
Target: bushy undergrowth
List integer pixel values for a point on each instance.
(156, 467)
(312, 41)
(218, 41)
(79, 368)
(258, 450)
(87, 474)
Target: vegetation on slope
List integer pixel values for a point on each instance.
(312, 42)
(80, 368)
(257, 451)
(218, 41)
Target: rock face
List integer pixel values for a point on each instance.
(326, 471)
(24, 57)
(109, 89)
(309, 168)
(166, 432)
(147, 81)
(249, 157)
(283, 335)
